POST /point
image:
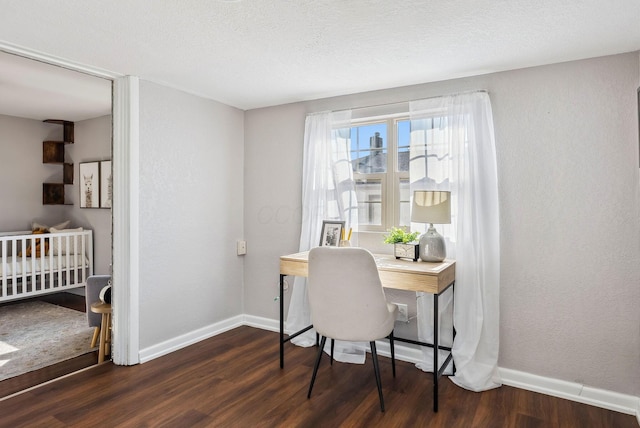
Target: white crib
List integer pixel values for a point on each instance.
(67, 264)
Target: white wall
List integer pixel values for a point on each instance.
(22, 174)
(191, 213)
(567, 147)
(273, 186)
(568, 159)
(93, 138)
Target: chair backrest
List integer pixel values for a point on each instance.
(95, 283)
(346, 298)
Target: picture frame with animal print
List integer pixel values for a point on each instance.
(89, 185)
(106, 184)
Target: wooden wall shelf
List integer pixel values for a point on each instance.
(52, 194)
(53, 153)
(67, 129)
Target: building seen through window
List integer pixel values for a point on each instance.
(380, 162)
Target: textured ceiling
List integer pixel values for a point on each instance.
(255, 53)
(36, 90)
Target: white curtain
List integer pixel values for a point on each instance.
(453, 148)
(328, 193)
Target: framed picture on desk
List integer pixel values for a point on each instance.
(331, 233)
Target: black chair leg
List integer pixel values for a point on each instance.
(393, 354)
(317, 364)
(376, 369)
(331, 351)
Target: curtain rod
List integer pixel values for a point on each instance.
(407, 102)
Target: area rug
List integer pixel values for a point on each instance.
(37, 334)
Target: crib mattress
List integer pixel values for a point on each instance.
(50, 264)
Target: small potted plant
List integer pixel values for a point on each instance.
(404, 243)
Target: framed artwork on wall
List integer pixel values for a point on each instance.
(331, 233)
(106, 184)
(90, 185)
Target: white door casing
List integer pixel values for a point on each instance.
(125, 243)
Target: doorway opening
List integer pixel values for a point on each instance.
(33, 91)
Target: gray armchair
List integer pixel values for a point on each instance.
(95, 283)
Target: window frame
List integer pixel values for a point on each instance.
(390, 180)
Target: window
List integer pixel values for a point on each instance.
(380, 161)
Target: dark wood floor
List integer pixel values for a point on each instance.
(67, 300)
(234, 380)
(36, 377)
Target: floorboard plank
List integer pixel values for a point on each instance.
(234, 379)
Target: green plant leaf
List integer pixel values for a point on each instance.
(398, 235)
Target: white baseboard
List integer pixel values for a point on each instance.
(190, 338)
(403, 353)
(622, 403)
(610, 400)
(262, 323)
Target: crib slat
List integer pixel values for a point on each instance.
(88, 270)
(83, 270)
(50, 268)
(59, 260)
(40, 279)
(3, 256)
(67, 259)
(14, 271)
(33, 261)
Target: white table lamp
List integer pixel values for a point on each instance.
(431, 207)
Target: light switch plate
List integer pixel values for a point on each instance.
(242, 248)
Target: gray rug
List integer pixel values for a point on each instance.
(38, 334)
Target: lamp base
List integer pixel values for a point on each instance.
(432, 247)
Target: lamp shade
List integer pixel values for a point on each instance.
(431, 206)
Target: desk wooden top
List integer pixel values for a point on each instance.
(399, 274)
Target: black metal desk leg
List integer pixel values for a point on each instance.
(281, 321)
(435, 353)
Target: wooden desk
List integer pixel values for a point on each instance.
(399, 274)
(105, 328)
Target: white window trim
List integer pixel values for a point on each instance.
(390, 215)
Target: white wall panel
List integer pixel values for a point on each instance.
(191, 212)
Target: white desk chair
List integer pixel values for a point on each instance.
(347, 302)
